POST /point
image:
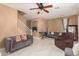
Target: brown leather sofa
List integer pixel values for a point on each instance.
(64, 40)
(11, 45)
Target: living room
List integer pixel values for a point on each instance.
(40, 27)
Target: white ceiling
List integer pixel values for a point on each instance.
(65, 9)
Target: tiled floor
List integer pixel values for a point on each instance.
(40, 47)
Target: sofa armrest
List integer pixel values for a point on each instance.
(9, 44)
(29, 37)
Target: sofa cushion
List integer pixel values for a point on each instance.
(22, 44)
(19, 45)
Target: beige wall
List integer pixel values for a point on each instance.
(8, 23)
(11, 23)
(28, 23)
(55, 25)
(73, 20)
(40, 23)
(34, 23)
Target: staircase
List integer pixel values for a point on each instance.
(23, 27)
(21, 24)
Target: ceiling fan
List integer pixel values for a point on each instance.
(41, 7)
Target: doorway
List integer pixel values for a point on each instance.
(73, 29)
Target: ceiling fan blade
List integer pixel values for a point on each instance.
(46, 11)
(48, 6)
(34, 8)
(38, 4)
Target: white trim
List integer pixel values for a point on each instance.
(65, 20)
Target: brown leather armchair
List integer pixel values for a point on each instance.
(64, 40)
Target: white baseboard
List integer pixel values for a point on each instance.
(0, 54)
(2, 49)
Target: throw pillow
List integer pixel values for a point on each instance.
(23, 37)
(18, 39)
